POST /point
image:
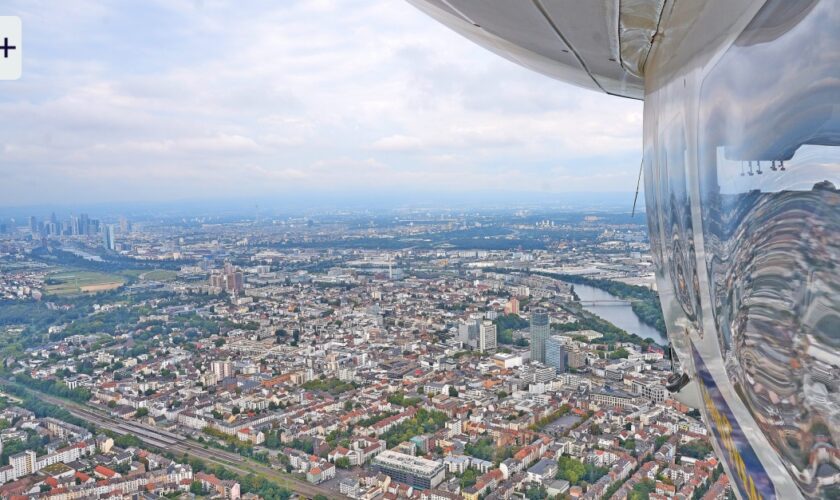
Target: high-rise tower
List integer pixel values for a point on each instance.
(555, 352)
(108, 238)
(487, 336)
(539, 334)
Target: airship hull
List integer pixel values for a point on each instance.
(741, 165)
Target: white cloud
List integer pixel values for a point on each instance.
(205, 97)
(397, 143)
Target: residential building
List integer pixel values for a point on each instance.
(414, 471)
(487, 336)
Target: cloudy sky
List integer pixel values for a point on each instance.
(183, 99)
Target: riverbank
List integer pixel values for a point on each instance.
(644, 301)
(617, 311)
(645, 327)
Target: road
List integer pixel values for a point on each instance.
(178, 445)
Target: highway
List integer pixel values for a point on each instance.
(178, 445)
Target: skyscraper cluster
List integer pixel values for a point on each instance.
(81, 225)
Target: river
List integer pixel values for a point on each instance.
(621, 315)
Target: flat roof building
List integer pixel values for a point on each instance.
(414, 471)
(614, 397)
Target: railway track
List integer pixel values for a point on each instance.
(176, 443)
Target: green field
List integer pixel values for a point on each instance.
(159, 275)
(77, 282)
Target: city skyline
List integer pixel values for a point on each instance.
(249, 102)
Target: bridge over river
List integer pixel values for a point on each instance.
(617, 311)
(603, 302)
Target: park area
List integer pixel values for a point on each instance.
(159, 275)
(75, 282)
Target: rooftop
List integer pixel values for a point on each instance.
(407, 462)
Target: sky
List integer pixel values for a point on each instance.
(165, 100)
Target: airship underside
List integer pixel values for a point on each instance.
(741, 165)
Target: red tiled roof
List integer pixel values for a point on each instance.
(105, 471)
(207, 478)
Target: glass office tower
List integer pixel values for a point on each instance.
(555, 353)
(540, 330)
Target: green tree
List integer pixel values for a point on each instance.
(484, 448)
(333, 386)
(695, 449)
(272, 440)
(535, 492)
(619, 353)
(570, 469)
(541, 423)
(468, 478)
(423, 422)
(642, 490)
(398, 398)
(506, 324)
(305, 445)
